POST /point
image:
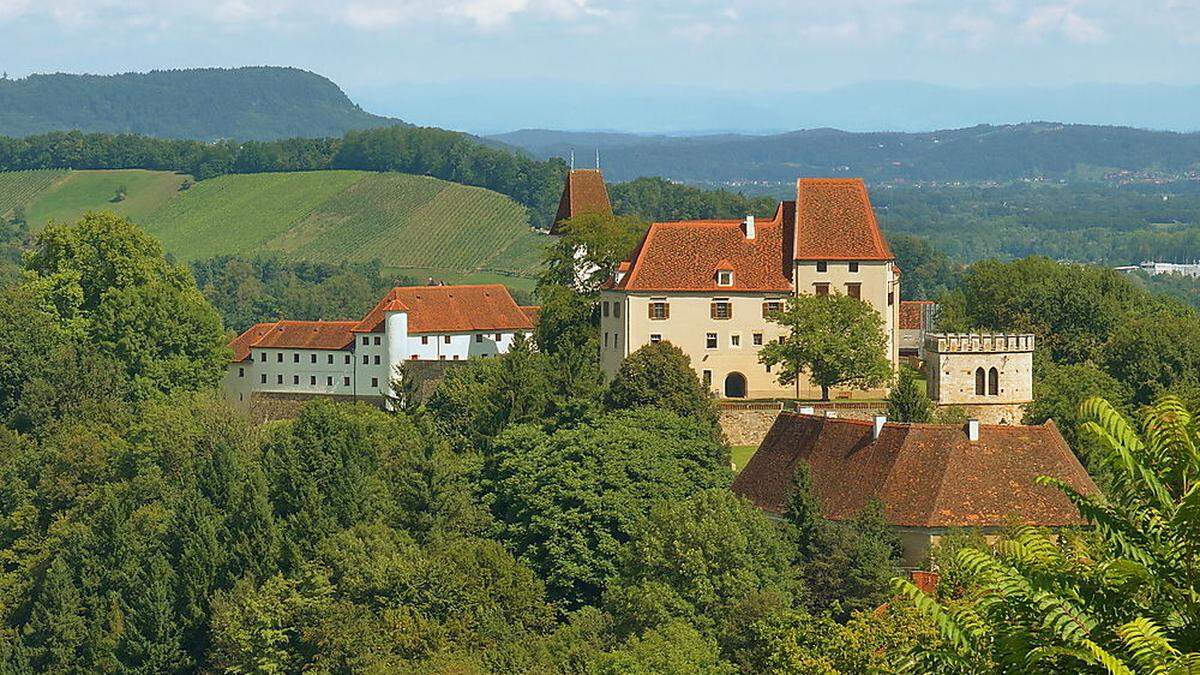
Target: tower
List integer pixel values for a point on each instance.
(988, 374)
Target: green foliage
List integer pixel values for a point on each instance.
(588, 250)
(1059, 390)
(567, 500)
(835, 339)
(661, 200)
(661, 375)
(674, 649)
(928, 272)
(1123, 603)
(907, 401)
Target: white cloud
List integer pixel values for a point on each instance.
(12, 8)
(1064, 20)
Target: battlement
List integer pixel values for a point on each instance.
(978, 343)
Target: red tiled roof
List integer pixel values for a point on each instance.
(835, 221)
(926, 475)
(684, 256)
(295, 335)
(242, 343)
(532, 312)
(912, 314)
(583, 192)
(449, 309)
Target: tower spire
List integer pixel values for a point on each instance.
(572, 159)
(597, 158)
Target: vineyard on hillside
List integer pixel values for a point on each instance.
(19, 188)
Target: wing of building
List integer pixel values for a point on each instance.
(931, 478)
(707, 286)
(358, 359)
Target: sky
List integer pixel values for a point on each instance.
(373, 47)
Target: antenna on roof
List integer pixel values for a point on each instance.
(597, 158)
(572, 159)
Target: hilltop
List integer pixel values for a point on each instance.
(414, 225)
(255, 103)
(975, 154)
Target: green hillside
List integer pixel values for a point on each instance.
(414, 225)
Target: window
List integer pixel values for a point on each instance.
(605, 306)
(735, 340)
(854, 291)
(771, 307)
(616, 310)
(891, 298)
(706, 377)
(328, 380)
(376, 359)
(659, 310)
(413, 357)
(374, 381)
(241, 372)
(366, 340)
(263, 378)
(329, 359)
(993, 382)
(721, 310)
(853, 267)
(262, 356)
(758, 339)
(822, 266)
(279, 357)
(312, 380)
(446, 339)
(347, 359)
(345, 382)
(456, 357)
(377, 340)
(424, 339)
(710, 341)
(497, 337)
(312, 358)
(479, 337)
(768, 368)
(617, 340)
(296, 357)
(655, 338)
(724, 277)
(980, 382)
(279, 379)
(441, 357)
(366, 360)
(606, 339)
(295, 379)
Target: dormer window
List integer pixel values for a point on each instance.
(724, 277)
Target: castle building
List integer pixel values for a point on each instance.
(916, 319)
(990, 374)
(931, 478)
(708, 286)
(358, 359)
(584, 192)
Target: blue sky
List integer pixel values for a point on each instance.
(371, 47)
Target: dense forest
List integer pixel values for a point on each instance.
(975, 154)
(260, 103)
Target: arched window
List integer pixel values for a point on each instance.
(993, 382)
(980, 382)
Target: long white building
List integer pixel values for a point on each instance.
(357, 359)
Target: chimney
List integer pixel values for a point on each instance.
(806, 410)
(877, 427)
(831, 414)
(748, 227)
(973, 430)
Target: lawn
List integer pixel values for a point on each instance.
(741, 455)
(82, 191)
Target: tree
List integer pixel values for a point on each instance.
(1059, 390)
(1124, 601)
(57, 629)
(587, 253)
(837, 340)
(661, 375)
(907, 401)
(673, 649)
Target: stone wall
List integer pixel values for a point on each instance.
(1000, 413)
(748, 423)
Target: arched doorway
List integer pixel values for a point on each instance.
(735, 385)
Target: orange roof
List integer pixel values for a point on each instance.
(684, 256)
(532, 312)
(242, 343)
(449, 309)
(835, 221)
(912, 314)
(583, 192)
(293, 335)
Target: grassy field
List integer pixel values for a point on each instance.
(741, 455)
(415, 225)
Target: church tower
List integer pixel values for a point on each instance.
(584, 192)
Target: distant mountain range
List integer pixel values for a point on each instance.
(498, 106)
(260, 103)
(974, 154)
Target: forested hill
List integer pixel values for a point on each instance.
(980, 153)
(260, 103)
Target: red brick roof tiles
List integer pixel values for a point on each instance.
(304, 335)
(927, 475)
(835, 221)
(532, 312)
(242, 343)
(449, 309)
(684, 256)
(583, 192)
(912, 314)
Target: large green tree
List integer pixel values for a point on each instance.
(661, 375)
(835, 339)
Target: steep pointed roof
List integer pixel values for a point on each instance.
(926, 475)
(583, 192)
(835, 221)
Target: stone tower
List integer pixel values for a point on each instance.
(990, 375)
